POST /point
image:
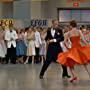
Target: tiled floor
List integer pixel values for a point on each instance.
(25, 77)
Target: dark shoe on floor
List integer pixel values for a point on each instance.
(66, 76)
(41, 77)
(37, 62)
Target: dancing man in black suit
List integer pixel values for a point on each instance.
(53, 39)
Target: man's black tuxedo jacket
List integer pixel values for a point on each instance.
(54, 48)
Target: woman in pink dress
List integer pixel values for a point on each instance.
(43, 46)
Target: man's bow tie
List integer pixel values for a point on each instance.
(54, 29)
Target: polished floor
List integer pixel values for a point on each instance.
(25, 77)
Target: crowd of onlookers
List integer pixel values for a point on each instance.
(27, 45)
(22, 45)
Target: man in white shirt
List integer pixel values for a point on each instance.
(10, 37)
(38, 43)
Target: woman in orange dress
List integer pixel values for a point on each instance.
(77, 54)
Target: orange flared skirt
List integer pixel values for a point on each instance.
(76, 55)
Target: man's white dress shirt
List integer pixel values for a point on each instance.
(53, 33)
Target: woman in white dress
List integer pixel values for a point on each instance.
(3, 49)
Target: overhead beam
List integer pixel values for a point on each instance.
(6, 0)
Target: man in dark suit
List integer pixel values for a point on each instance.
(53, 39)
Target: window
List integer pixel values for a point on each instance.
(80, 15)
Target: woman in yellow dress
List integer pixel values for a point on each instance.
(31, 44)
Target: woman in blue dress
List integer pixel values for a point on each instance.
(20, 46)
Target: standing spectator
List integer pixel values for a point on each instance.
(25, 40)
(43, 46)
(30, 44)
(88, 35)
(3, 49)
(38, 43)
(84, 32)
(11, 37)
(20, 46)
